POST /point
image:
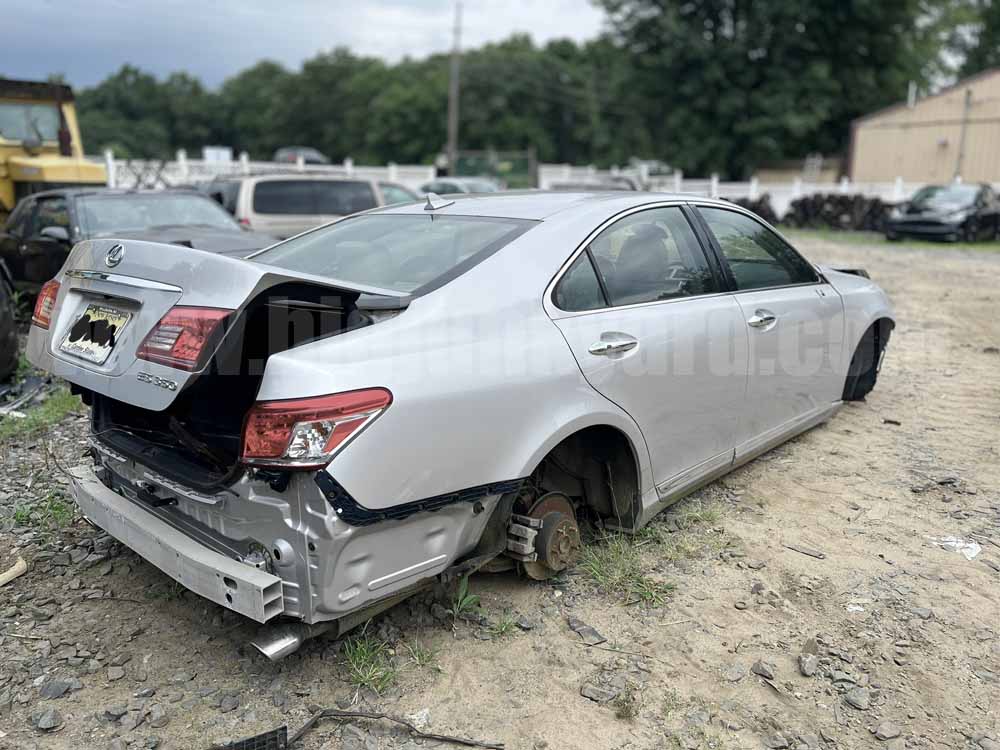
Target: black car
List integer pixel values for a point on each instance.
(8, 325)
(949, 212)
(39, 233)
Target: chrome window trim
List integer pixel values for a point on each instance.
(555, 312)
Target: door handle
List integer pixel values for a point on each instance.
(604, 348)
(761, 319)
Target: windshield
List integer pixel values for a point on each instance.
(19, 122)
(403, 253)
(953, 196)
(480, 186)
(107, 214)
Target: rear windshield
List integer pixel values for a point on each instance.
(402, 253)
(330, 197)
(101, 214)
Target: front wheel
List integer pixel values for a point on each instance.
(866, 362)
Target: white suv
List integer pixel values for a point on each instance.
(284, 205)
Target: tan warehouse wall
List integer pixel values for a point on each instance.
(922, 143)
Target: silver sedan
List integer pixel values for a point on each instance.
(419, 391)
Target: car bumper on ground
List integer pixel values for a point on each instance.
(252, 592)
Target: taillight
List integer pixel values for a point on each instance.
(44, 304)
(306, 433)
(184, 338)
(245, 223)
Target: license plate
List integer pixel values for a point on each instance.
(95, 333)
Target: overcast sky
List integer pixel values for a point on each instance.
(213, 39)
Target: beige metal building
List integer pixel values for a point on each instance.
(955, 132)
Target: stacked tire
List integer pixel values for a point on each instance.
(8, 330)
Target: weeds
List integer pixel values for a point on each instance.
(615, 565)
(55, 408)
(628, 703)
(464, 603)
(369, 663)
(421, 655)
(51, 512)
(506, 625)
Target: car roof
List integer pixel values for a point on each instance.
(290, 175)
(538, 204)
(79, 192)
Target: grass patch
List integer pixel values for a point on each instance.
(686, 531)
(53, 511)
(369, 663)
(464, 603)
(504, 626)
(874, 238)
(421, 655)
(628, 703)
(615, 565)
(52, 410)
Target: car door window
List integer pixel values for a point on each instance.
(17, 224)
(758, 257)
(51, 212)
(651, 256)
(342, 197)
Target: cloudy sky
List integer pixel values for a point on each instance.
(85, 41)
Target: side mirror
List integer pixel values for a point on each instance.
(59, 234)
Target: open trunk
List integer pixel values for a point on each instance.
(184, 425)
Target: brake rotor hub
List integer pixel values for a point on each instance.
(557, 541)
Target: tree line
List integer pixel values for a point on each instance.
(710, 86)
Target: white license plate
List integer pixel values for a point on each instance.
(95, 333)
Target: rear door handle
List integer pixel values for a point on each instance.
(761, 319)
(604, 348)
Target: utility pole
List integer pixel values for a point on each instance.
(961, 138)
(453, 91)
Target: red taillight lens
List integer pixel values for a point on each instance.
(245, 223)
(44, 304)
(306, 433)
(184, 337)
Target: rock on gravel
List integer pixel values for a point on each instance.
(763, 668)
(808, 664)
(887, 731)
(48, 720)
(859, 698)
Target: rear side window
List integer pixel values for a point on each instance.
(758, 257)
(342, 198)
(396, 194)
(284, 197)
(579, 288)
(651, 256)
(224, 193)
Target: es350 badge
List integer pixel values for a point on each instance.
(145, 377)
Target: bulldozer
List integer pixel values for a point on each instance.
(40, 146)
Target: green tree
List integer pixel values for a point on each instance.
(984, 50)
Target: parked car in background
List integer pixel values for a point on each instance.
(285, 205)
(39, 233)
(949, 212)
(8, 325)
(407, 395)
(593, 186)
(291, 154)
(454, 185)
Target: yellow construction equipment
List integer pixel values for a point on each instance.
(40, 146)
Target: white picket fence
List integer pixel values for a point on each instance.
(131, 173)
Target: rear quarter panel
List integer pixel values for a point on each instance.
(483, 383)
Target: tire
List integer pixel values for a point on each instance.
(863, 372)
(892, 237)
(8, 333)
(970, 231)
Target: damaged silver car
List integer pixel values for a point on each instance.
(422, 391)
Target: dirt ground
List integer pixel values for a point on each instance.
(898, 631)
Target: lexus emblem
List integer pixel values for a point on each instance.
(114, 256)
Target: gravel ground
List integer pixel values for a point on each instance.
(721, 631)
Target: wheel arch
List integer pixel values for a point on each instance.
(606, 435)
